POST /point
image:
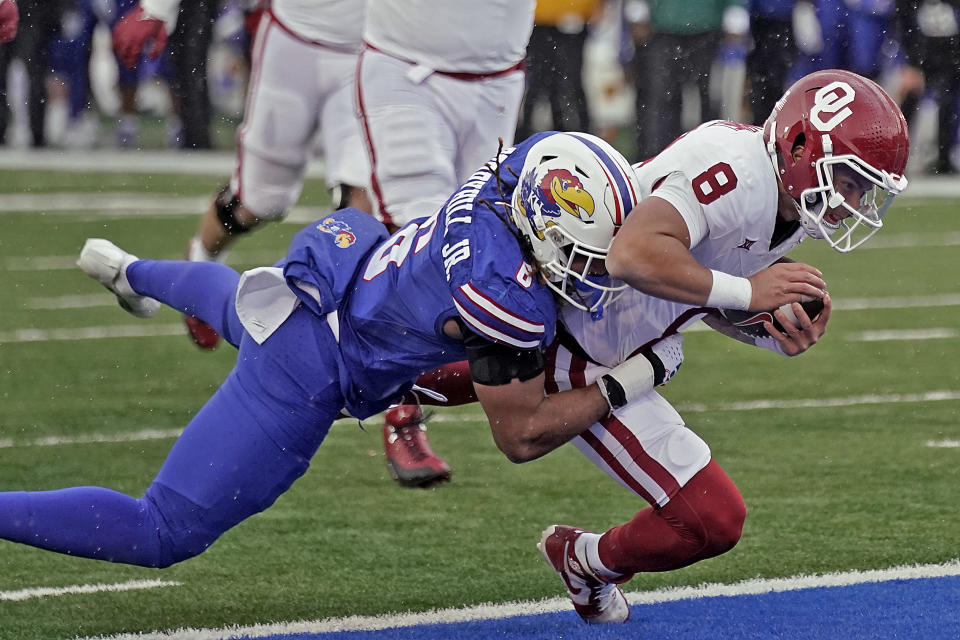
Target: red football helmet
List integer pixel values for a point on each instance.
(837, 118)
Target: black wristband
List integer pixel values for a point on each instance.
(613, 391)
(659, 371)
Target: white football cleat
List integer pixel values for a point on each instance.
(598, 601)
(107, 263)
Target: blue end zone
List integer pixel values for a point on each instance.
(927, 609)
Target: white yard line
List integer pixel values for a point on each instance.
(119, 204)
(823, 403)
(93, 333)
(506, 610)
(69, 263)
(477, 416)
(940, 333)
(896, 302)
(176, 162)
(943, 444)
(911, 240)
(71, 302)
(47, 592)
(94, 438)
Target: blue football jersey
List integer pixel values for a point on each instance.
(463, 262)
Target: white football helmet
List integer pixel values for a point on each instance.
(574, 192)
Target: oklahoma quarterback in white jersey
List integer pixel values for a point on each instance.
(721, 205)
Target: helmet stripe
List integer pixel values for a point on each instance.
(624, 187)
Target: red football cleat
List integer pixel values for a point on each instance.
(410, 459)
(202, 334)
(595, 599)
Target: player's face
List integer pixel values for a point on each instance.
(852, 187)
(598, 267)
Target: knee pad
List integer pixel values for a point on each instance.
(708, 511)
(226, 204)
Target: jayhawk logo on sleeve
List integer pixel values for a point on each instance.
(342, 236)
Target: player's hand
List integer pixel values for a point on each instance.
(9, 19)
(800, 336)
(785, 282)
(133, 32)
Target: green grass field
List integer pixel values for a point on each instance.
(828, 488)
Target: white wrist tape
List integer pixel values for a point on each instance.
(627, 381)
(729, 292)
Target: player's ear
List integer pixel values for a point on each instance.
(798, 147)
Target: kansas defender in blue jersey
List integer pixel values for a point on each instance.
(347, 321)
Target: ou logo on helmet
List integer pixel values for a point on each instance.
(831, 99)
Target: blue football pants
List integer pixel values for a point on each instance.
(245, 447)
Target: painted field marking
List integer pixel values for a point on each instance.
(93, 333)
(47, 592)
(510, 609)
(70, 302)
(69, 263)
(898, 302)
(913, 240)
(125, 204)
(943, 444)
(823, 403)
(174, 162)
(939, 333)
(93, 438)
(477, 416)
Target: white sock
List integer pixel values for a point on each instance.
(587, 548)
(197, 253)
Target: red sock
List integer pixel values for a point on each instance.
(704, 519)
(453, 381)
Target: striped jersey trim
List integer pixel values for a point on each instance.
(493, 321)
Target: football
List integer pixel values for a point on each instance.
(751, 322)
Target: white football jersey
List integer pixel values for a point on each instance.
(733, 181)
(338, 23)
(462, 36)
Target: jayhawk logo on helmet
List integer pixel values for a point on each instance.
(549, 196)
(342, 236)
(561, 190)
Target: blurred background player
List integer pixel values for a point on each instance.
(930, 35)
(9, 18)
(438, 84)
(853, 35)
(772, 53)
(555, 65)
(302, 82)
(187, 31)
(33, 25)
(678, 43)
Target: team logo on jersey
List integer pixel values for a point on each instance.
(342, 236)
(746, 244)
